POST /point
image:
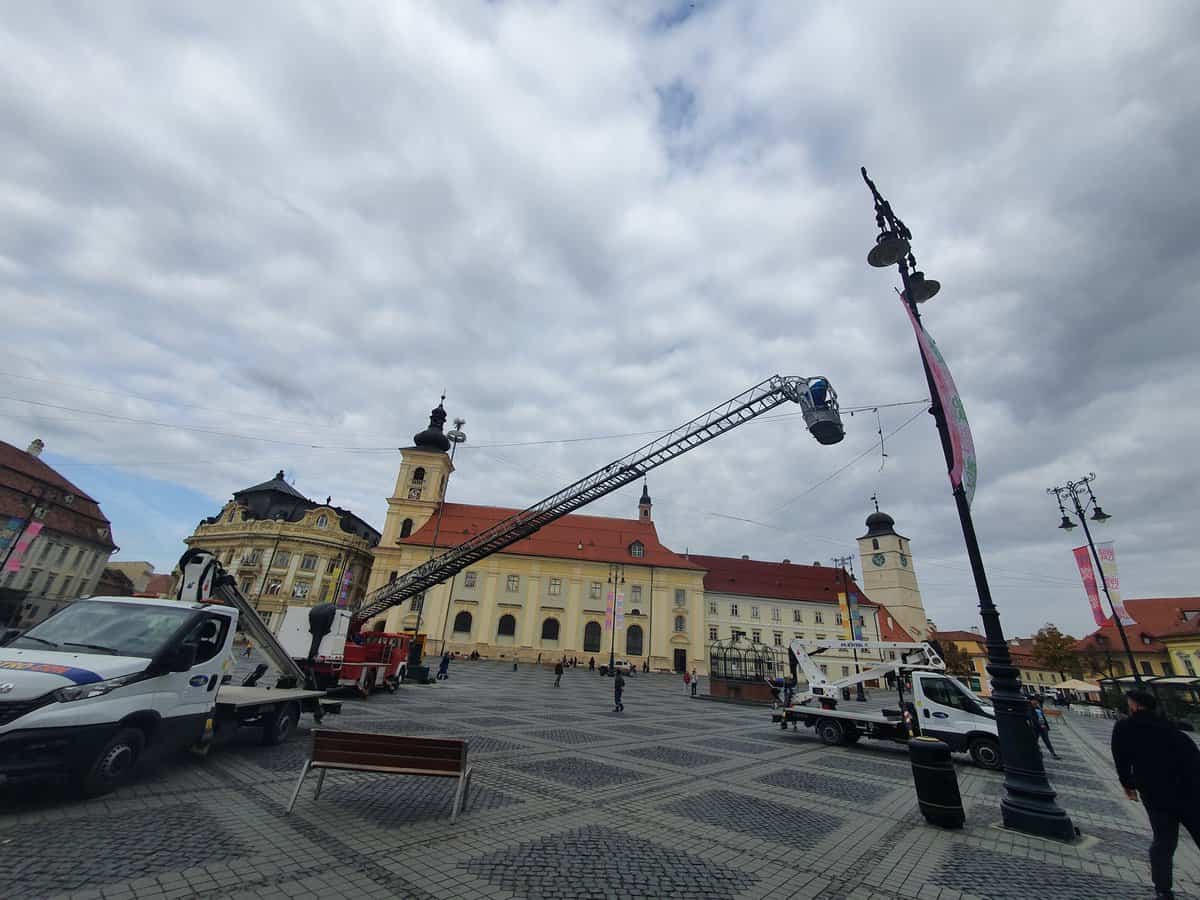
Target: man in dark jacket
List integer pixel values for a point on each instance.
(1162, 764)
(558, 673)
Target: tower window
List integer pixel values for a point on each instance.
(874, 543)
(418, 475)
(406, 528)
(470, 579)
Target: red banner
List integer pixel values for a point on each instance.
(1084, 560)
(32, 530)
(1108, 565)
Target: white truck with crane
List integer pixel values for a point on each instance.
(88, 690)
(939, 706)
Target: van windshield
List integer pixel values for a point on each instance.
(115, 629)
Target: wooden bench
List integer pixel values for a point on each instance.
(389, 754)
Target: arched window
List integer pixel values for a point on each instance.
(550, 630)
(591, 637)
(232, 513)
(680, 624)
(322, 521)
(507, 627)
(637, 548)
(635, 612)
(462, 623)
(874, 543)
(633, 641)
(418, 475)
(406, 528)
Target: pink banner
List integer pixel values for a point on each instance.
(1084, 560)
(608, 613)
(963, 471)
(32, 530)
(1108, 566)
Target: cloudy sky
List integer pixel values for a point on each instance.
(236, 238)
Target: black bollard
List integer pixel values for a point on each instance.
(936, 782)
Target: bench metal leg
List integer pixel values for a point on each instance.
(320, 782)
(460, 795)
(299, 782)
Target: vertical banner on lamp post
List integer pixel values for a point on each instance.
(844, 606)
(1083, 559)
(1108, 565)
(32, 530)
(608, 611)
(620, 609)
(963, 470)
(855, 619)
(345, 588)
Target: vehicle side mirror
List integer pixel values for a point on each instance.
(182, 658)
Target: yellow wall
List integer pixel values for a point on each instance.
(1184, 651)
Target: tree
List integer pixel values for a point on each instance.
(957, 662)
(1054, 650)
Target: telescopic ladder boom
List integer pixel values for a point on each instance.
(818, 404)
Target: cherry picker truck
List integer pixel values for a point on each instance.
(939, 706)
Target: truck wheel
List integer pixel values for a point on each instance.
(852, 736)
(391, 685)
(986, 753)
(113, 764)
(830, 732)
(280, 726)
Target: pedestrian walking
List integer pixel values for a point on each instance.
(687, 680)
(1041, 725)
(695, 682)
(618, 690)
(1159, 764)
(443, 671)
(592, 664)
(558, 670)
(539, 659)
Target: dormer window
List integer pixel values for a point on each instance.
(637, 549)
(322, 521)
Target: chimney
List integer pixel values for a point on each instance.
(975, 628)
(744, 556)
(817, 563)
(787, 562)
(35, 448)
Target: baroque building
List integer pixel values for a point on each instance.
(546, 596)
(287, 550)
(890, 576)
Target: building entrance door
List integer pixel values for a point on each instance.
(680, 660)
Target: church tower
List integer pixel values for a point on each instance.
(889, 577)
(644, 505)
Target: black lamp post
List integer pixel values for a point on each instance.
(1028, 805)
(616, 577)
(1072, 490)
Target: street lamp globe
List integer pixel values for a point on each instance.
(889, 249)
(922, 288)
(1099, 515)
(1067, 524)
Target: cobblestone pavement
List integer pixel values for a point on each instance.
(674, 798)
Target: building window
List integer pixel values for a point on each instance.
(637, 549)
(300, 589)
(756, 636)
(778, 638)
(281, 560)
(874, 543)
(680, 624)
(754, 612)
(845, 671)
(246, 585)
(591, 637)
(322, 521)
(733, 610)
(308, 562)
(819, 617)
(274, 586)
(469, 579)
(892, 655)
(594, 590)
(513, 584)
(229, 556)
(837, 619)
(46, 548)
(555, 591)
(798, 635)
(251, 557)
(392, 576)
(79, 557)
(774, 613)
(712, 632)
(820, 637)
(712, 607)
(507, 626)
(417, 603)
(633, 641)
(1187, 664)
(550, 630)
(65, 550)
(406, 528)
(49, 586)
(797, 616)
(680, 597)
(1147, 669)
(635, 593)
(824, 669)
(264, 615)
(414, 493)
(462, 623)
(33, 576)
(418, 475)
(332, 567)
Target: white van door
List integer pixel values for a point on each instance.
(945, 711)
(193, 692)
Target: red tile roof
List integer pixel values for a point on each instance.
(780, 581)
(1154, 616)
(573, 537)
(890, 630)
(21, 474)
(957, 636)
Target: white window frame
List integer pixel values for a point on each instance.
(470, 579)
(554, 589)
(512, 584)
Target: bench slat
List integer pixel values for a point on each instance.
(412, 747)
(385, 770)
(385, 740)
(384, 760)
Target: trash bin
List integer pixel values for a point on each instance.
(936, 782)
(845, 693)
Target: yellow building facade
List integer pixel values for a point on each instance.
(889, 574)
(546, 596)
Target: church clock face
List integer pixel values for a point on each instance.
(414, 493)
(903, 560)
(878, 559)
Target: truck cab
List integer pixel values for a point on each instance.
(948, 711)
(86, 692)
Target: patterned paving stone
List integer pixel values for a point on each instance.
(998, 877)
(856, 765)
(580, 773)
(569, 736)
(759, 818)
(827, 785)
(675, 756)
(738, 746)
(621, 727)
(93, 852)
(390, 800)
(492, 721)
(1071, 801)
(600, 862)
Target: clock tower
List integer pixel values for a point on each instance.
(889, 577)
